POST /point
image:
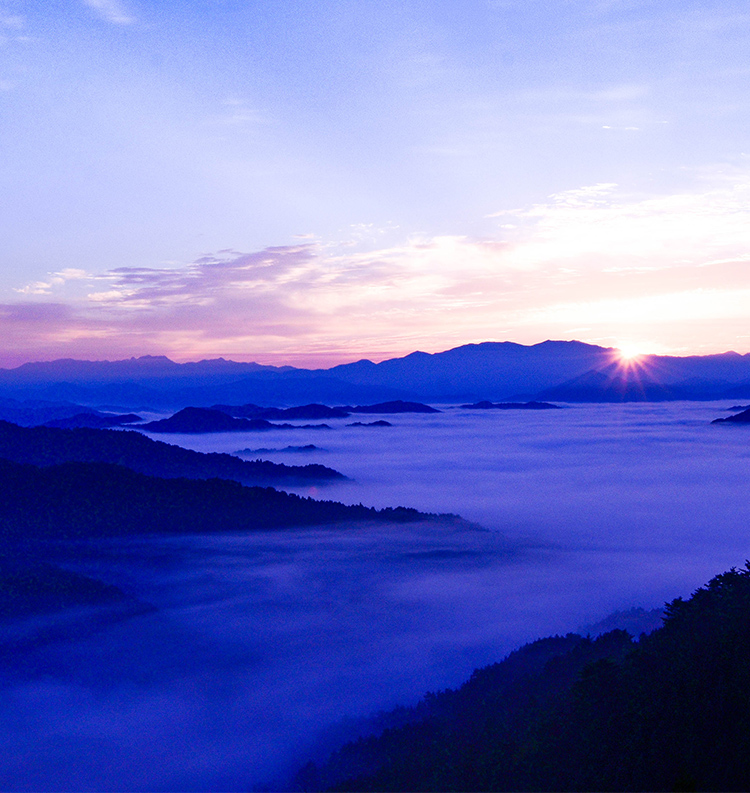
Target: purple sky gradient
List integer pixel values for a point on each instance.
(313, 184)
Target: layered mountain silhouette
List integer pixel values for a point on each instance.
(83, 500)
(80, 500)
(32, 412)
(492, 371)
(308, 447)
(611, 385)
(45, 446)
(316, 411)
(312, 411)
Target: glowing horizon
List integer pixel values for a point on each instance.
(633, 361)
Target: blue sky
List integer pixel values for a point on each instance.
(321, 181)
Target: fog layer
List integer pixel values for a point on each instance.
(261, 644)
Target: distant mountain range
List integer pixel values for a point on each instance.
(563, 371)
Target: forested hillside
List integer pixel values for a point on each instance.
(77, 500)
(670, 712)
(52, 446)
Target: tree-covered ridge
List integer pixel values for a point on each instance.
(52, 446)
(192, 420)
(77, 500)
(738, 418)
(670, 712)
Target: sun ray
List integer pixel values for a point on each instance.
(630, 351)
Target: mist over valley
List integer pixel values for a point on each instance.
(232, 656)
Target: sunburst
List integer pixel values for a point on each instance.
(630, 352)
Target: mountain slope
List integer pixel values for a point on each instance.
(51, 446)
(79, 500)
(492, 370)
(567, 713)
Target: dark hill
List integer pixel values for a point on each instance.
(29, 413)
(27, 589)
(313, 411)
(669, 712)
(194, 421)
(80, 500)
(308, 447)
(737, 418)
(31, 588)
(50, 446)
(395, 406)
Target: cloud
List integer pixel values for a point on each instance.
(12, 21)
(669, 271)
(55, 279)
(35, 313)
(674, 307)
(237, 111)
(594, 227)
(111, 11)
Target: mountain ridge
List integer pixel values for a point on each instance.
(45, 446)
(495, 371)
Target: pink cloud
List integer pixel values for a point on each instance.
(671, 273)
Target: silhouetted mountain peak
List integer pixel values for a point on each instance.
(492, 370)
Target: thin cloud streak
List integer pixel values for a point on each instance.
(111, 11)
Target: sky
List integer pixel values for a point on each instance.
(312, 183)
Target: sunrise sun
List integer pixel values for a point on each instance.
(630, 351)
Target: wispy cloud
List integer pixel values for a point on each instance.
(12, 30)
(111, 11)
(11, 21)
(236, 111)
(55, 280)
(671, 271)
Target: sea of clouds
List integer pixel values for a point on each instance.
(265, 649)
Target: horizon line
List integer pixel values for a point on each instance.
(374, 358)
